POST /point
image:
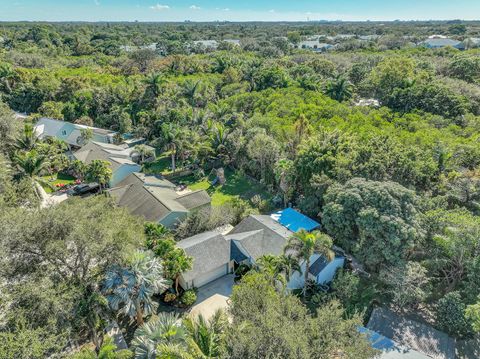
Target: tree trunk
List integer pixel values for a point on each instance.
(139, 315)
(174, 150)
(307, 268)
(176, 284)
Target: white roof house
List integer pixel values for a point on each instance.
(70, 132)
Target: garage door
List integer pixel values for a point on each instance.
(210, 276)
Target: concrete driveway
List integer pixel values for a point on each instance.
(212, 297)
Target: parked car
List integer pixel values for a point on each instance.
(84, 189)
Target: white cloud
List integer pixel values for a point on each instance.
(195, 7)
(97, 2)
(159, 7)
(224, 9)
(271, 10)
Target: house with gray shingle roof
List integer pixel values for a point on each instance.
(121, 159)
(156, 199)
(252, 238)
(211, 253)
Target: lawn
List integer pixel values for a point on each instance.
(161, 165)
(237, 186)
(56, 179)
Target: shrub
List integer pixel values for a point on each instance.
(451, 315)
(169, 297)
(188, 298)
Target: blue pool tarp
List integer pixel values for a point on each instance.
(294, 220)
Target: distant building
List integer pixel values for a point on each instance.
(438, 43)
(438, 37)
(234, 42)
(131, 48)
(206, 44)
(314, 45)
(70, 132)
(369, 37)
(472, 42)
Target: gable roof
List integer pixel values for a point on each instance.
(210, 250)
(116, 155)
(154, 198)
(260, 235)
(68, 131)
(412, 334)
(294, 220)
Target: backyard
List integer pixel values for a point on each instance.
(57, 179)
(236, 186)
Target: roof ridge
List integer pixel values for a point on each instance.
(190, 193)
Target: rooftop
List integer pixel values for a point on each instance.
(294, 220)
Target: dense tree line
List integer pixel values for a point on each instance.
(395, 183)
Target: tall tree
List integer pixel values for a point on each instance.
(163, 330)
(303, 245)
(339, 89)
(31, 165)
(129, 290)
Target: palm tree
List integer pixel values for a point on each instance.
(177, 262)
(155, 82)
(339, 89)
(164, 330)
(98, 171)
(130, 290)
(31, 165)
(189, 91)
(171, 139)
(7, 76)
(269, 264)
(205, 337)
(288, 265)
(144, 152)
(27, 140)
(304, 244)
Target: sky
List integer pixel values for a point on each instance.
(237, 10)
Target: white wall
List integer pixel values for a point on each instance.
(122, 172)
(326, 275)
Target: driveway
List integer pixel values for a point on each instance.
(50, 199)
(212, 297)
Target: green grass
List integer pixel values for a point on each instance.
(161, 165)
(237, 186)
(56, 179)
